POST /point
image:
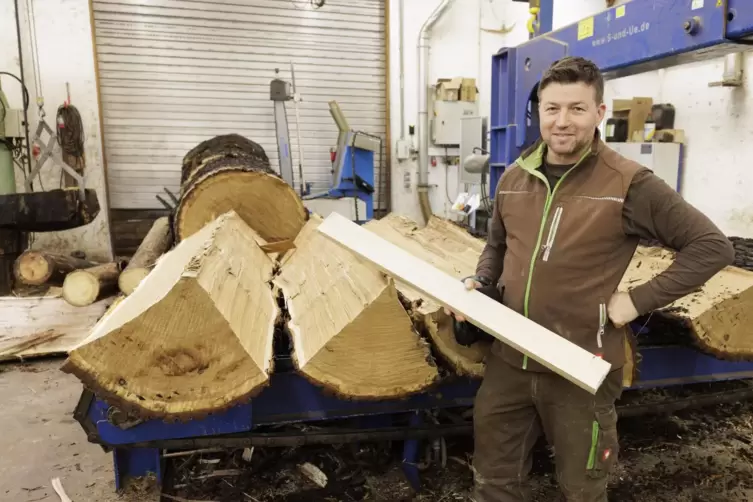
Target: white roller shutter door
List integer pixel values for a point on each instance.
(175, 72)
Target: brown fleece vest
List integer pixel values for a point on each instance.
(566, 249)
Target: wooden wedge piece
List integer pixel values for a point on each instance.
(452, 250)
(553, 351)
(350, 332)
(195, 337)
(718, 316)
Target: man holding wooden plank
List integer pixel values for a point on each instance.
(568, 215)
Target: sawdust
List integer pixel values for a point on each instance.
(694, 456)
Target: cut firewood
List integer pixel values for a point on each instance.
(35, 268)
(44, 325)
(718, 316)
(350, 332)
(540, 344)
(84, 287)
(196, 337)
(452, 250)
(233, 173)
(155, 244)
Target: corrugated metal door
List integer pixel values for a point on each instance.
(175, 72)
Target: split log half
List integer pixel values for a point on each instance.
(220, 178)
(86, 286)
(35, 268)
(350, 332)
(157, 241)
(717, 317)
(454, 251)
(196, 337)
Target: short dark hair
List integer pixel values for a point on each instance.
(571, 70)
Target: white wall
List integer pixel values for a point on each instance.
(64, 46)
(718, 122)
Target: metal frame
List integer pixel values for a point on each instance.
(137, 445)
(636, 37)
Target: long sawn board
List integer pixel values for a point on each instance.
(553, 351)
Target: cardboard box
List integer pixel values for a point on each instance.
(636, 111)
(455, 89)
(468, 90)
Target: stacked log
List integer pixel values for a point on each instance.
(36, 268)
(231, 172)
(743, 252)
(350, 331)
(157, 241)
(196, 337)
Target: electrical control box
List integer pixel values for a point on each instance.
(14, 124)
(446, 129)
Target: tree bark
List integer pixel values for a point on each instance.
(155, 244)
(35, 268)
(233, 173)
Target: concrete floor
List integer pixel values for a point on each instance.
(40, 440)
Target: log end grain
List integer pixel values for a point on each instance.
(32, 268)
(81, 288)
(264, 201)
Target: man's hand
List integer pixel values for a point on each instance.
(621, 309)
(470, 283)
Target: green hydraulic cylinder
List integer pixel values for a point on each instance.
(7, 171)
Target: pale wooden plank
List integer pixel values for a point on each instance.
(44, 325)
(540, 344)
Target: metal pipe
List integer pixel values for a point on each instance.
(402, 68)
(422, 127)
(23, 85)
(297, 439)
(733, 68)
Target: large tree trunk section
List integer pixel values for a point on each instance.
(44, 325)
(233, 173)
(452, 250)
(35, 268)
(349, 329)
(196, 337)
(48, 211)
(86, 286)
(155, 244)
(719, 316)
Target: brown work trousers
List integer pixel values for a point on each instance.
(513, 407)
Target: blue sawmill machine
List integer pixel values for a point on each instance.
(635, 37)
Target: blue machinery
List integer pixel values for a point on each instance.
(639, 36)
(351, 189)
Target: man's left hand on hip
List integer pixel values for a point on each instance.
(621, 309)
